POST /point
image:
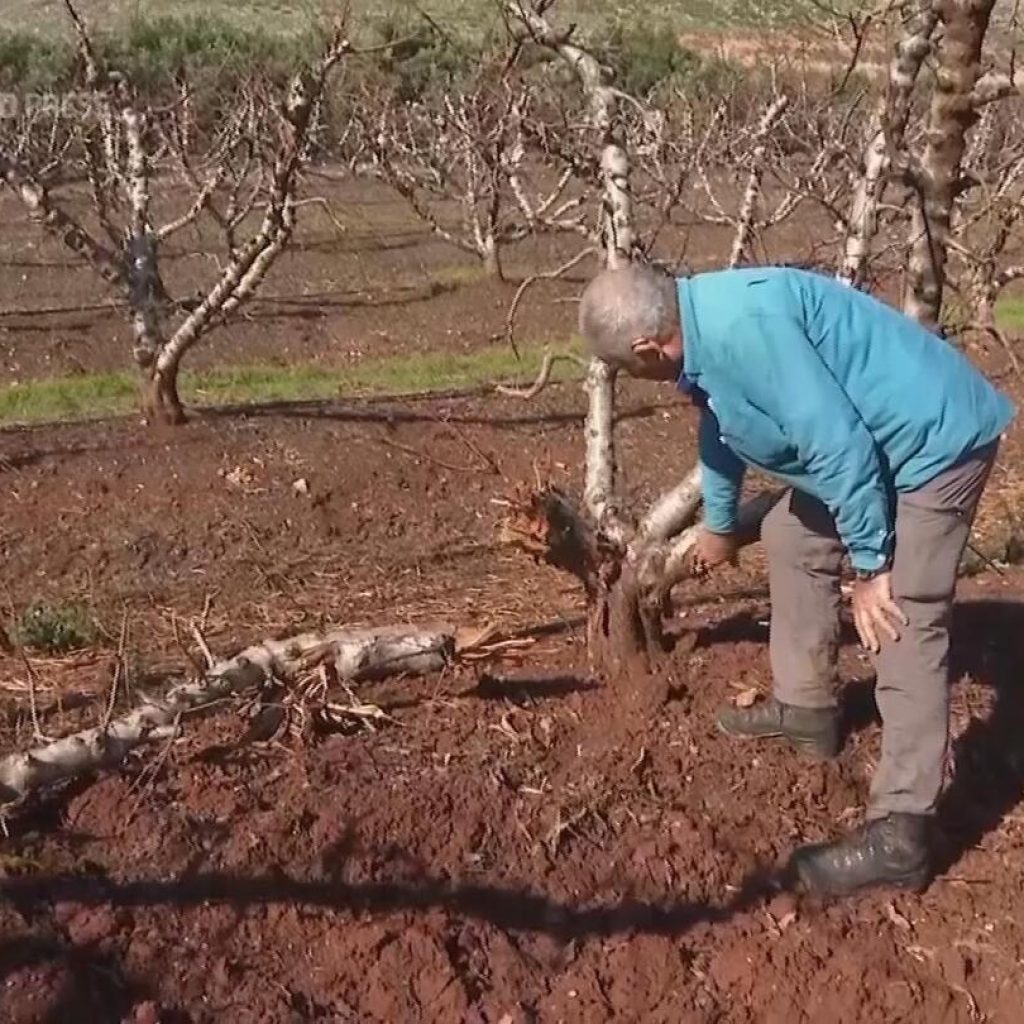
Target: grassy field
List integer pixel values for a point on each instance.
(91, 395)
(1010, 313)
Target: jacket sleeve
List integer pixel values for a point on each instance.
(784, 375)
(721, 476)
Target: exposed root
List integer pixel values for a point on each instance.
(547, 526)
(627, 591)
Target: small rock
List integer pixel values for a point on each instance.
(91, 926)
(145, 1013)
(301, 486)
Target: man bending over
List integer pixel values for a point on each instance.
(886, 435)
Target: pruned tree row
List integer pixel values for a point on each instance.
(918, 172)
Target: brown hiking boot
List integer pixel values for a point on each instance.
(813, 731)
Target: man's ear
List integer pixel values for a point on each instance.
(645, 347)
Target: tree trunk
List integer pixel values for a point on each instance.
(886, 136)
(626, 642)
(936, 179)
(492, 260)
(160, 401)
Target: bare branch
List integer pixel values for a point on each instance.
(543, 377)
(752, 195)
(353, 655)
(58, 222)
(673, 511)
(528, 282)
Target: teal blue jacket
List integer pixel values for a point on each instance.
(829, 390)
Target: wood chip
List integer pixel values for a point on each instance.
(747, 698)
(897, 918)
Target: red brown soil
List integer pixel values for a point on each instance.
(524, 842)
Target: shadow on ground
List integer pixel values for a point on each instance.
(507, 908)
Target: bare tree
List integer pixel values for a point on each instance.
(139, 158)
(886, 138)
(447, 150)
(627, 563)
(479, 150)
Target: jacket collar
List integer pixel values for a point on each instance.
(689, 377)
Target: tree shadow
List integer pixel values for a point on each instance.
(385, 410)
(33, 454)
(508, 908)
(393, 414)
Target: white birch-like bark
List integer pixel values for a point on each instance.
(886, 135)
(755, 181)
(355, 655)
(600, 465)
(250, 264)
(54, 219)
(673, 511)
(619, 239)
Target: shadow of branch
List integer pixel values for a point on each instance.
(508, 908)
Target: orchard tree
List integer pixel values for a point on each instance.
(243, 180)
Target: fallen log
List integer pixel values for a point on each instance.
(354, 655)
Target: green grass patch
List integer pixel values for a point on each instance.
(54, 628)
(31, 62)
(1010, 314)
(89, 396)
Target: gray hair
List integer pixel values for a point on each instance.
(621, 306)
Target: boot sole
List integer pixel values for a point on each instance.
(808, 748)
(915, 882)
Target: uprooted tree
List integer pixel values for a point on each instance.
(629, 562)
(310, 675)
(242, 177)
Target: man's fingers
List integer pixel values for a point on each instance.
(862, 622)
(886, 624)
(895, 612)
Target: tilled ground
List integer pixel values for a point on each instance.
(521, 841)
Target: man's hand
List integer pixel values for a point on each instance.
(712, 550)
(875, 612)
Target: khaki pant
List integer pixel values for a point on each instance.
(912, 689)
